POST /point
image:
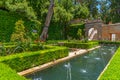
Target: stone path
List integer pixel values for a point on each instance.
(52, 63)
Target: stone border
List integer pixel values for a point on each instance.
(52, 63)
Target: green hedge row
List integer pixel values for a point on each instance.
(113, 70)
(110, 42)
(13, 49)
(27, 60)
(6, 73)
(80, 45)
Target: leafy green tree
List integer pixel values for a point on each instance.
(20, 6)
(115, 10)
(40, 7)
(92, 6)
(81, 11)
(104, 9)
(63, 13)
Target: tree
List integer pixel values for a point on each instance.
(44, 33)
(40, 7)
(81, 11)
(115, 10)
(92, 6)
(20, 6)
(63, 13)
(104, 10)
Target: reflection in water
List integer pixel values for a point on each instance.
(86, 57)
(97, 58)
(85, 67)
(83, 71)
(68, 66)
(37, 79)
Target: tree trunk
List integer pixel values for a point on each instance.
(44, 33)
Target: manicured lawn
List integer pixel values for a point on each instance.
(113, 70)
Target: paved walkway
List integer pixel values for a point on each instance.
(49, 64)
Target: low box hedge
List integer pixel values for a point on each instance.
(81, 45)
(110, 42)
(6, 73)
(13, 49)
(27, 60)
(113, 70)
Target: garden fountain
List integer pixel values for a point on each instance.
(85, 67)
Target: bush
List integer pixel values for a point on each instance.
(6, 73)
(27, 60)
(7, 24)
(72, 30)
(55, 32)
(113, 70)
(6, 49)
(80, 44)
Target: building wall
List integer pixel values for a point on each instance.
(108, 30)
(104, 31)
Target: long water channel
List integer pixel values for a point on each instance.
(85, 67)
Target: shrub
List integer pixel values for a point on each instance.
(19, 34)
(13, 49)
(27, 60)
(110, 42)
(80, 44)
(113, 70)
(72, 30)
(6, 73)
(7, 23)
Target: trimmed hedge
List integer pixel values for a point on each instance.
(27, 60)
(6, 73)
(113, 70)
(109, 42)
(13, 49)
(86, 45)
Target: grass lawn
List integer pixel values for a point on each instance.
(112, 72)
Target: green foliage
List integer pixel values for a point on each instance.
(9, 49)
(110, 42)
(2, 49)
(27, 60)
(114, 11)
(19, 33)
(72, 30)
(55, 32)
(80, 44)
(40, 7)
(81, 11)
(61, 15)
(79, 33)
(113, 70)
(20, 6)
(7, 24)
(6, 73)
